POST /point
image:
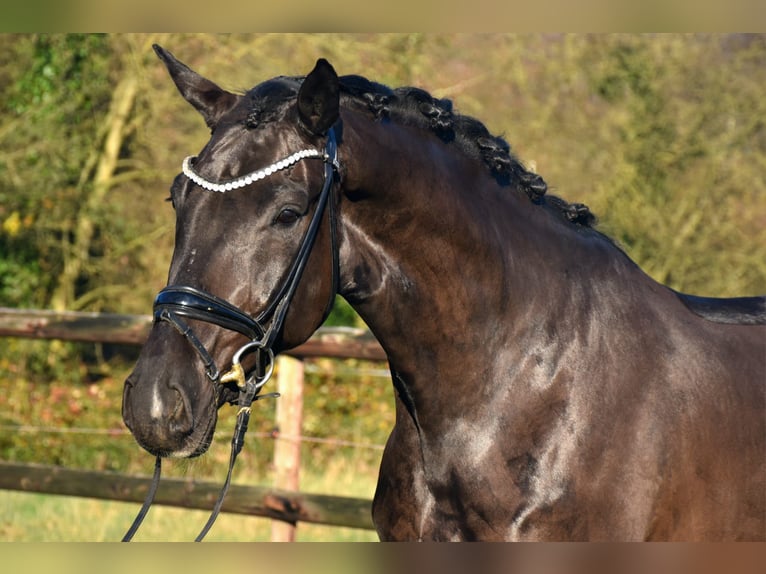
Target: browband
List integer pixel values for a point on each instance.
(244, 180)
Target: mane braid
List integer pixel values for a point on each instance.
(415, 106)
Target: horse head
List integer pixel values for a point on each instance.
(254, 215)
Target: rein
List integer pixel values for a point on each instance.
(175, 302)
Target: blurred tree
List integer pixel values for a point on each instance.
(52, 106)
(662, 135)
(687, 136)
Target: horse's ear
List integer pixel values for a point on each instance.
(319, 98)
(208, 99)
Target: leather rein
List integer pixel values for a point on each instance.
(176, 302)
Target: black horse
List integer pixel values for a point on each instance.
(546, 388)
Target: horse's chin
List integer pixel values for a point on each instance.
(224, 396)
(197, 448)
(198, 444)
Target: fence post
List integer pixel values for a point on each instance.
(287, 448)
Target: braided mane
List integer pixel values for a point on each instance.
(415, 106)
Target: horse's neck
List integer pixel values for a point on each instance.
(417, 259)
(458, 275)
(450, 270)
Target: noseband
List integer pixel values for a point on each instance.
(175, 303)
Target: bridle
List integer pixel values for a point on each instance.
(175, 303)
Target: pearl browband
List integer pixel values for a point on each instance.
(250, 177)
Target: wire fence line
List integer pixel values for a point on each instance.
(350, 372)
(330, 342)
(311, 368)
(218, 434)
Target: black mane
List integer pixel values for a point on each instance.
(415, 106)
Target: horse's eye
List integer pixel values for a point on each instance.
(287, 216)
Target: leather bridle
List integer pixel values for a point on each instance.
(175, 303)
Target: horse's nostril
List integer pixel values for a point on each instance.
(127, 410)
(181, 419)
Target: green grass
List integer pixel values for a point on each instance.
(46, 518)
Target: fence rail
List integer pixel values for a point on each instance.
(342, 343)
(282, 504)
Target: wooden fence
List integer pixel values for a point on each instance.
(283, 505)
(342, 343)
(284, 502)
